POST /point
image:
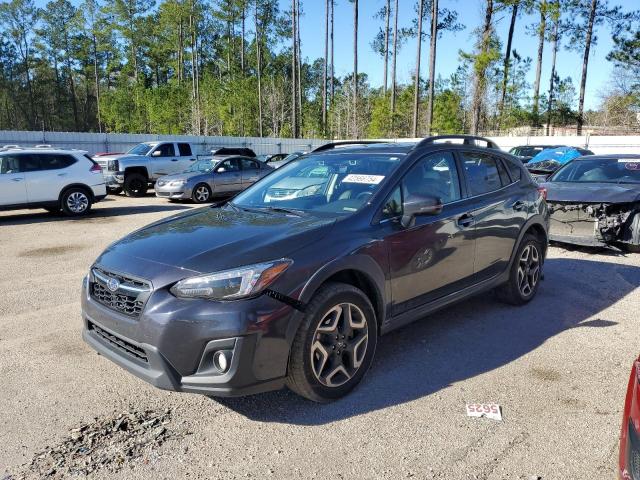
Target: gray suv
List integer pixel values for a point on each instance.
(269, 290)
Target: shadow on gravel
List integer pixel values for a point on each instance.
(97, 215)
(461, 342)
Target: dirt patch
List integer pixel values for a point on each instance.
(50, 251)
(104, 444)
(545, 374)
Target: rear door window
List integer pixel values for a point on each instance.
(482, 173)
(29, 163)
(55, 161)
(249, 164)
(185, 149)
(514, 170)
(231, 165)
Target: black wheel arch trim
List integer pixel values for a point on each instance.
(536, 221)
(362, 265)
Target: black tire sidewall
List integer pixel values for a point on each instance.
(132, 178)
(65, 196)
(319, 391)
(193, 195)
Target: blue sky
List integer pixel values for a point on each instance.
(470, 14)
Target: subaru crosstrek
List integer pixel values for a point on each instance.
(293, 281)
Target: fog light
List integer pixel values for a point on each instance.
(221, 360)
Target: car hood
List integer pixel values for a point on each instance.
(298, 183)
(183, 176)
(211, 239)
(591, 192)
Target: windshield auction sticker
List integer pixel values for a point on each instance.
(367, 179)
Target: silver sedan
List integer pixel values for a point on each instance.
(212, 178)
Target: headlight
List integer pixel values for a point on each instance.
(232, 284)
(308, 191)
(177, 183)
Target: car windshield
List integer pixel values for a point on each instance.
(291, 156)
(600, 170)
(323, 183)
(140, 149)
(201, 166)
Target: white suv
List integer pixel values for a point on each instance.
(49, 178)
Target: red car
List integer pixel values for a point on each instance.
(629, 463)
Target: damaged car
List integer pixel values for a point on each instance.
(595, 201)
(548, 161)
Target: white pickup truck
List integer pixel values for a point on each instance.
(144, 164)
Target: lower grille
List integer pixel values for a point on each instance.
(125, 347)
(163, 194)
(122, 294)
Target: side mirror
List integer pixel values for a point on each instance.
(221, 170)
(156, 153)
(415, 205)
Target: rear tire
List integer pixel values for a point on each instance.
(525, 273)
(76, 202)
(334, 345)
(201, 193)
(135, 185)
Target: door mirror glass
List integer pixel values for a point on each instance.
(415, 205)
(221, 170)
(156, 153)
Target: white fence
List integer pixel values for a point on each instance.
(119, 142)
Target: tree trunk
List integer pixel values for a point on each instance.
(386, 45)
(332, 74)
(72, 83)
(416, 82)
(507, 61)
(554, 52)
(294, 95)
(97, 80)
(299, 66)
(324, 70)
(259, 70)
(355, 68)
(432, 62)
(394, 63)
(585, 65)
(479, 82)
(542, 29)
(243, 16)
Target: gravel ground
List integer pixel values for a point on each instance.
(558, 367)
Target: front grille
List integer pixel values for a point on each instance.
(128, 298)
(120, 343)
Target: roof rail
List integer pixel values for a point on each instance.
(10, 147)
(332, 145)
(43, 145)
(466, 140)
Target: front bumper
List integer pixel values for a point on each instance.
(114, 179)
(172, 343)
(182, 192)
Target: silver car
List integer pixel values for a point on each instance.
(210, 178)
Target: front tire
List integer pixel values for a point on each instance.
(334, 345)
(135, 185)
(201, 193)
(76, 202)
(525, 273)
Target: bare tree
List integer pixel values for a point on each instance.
(555, 43)
(355, 68)
(541, 30)
(432, 63)
(294, 64)
(387, 12)
(507, 56)
(394, 62)
(416, 83)
(324, 70)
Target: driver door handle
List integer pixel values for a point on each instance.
(465, 220)
(174, 159)
(17, 179)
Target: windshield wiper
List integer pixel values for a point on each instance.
(292, 211)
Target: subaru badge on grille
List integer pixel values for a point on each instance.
(113, 284)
